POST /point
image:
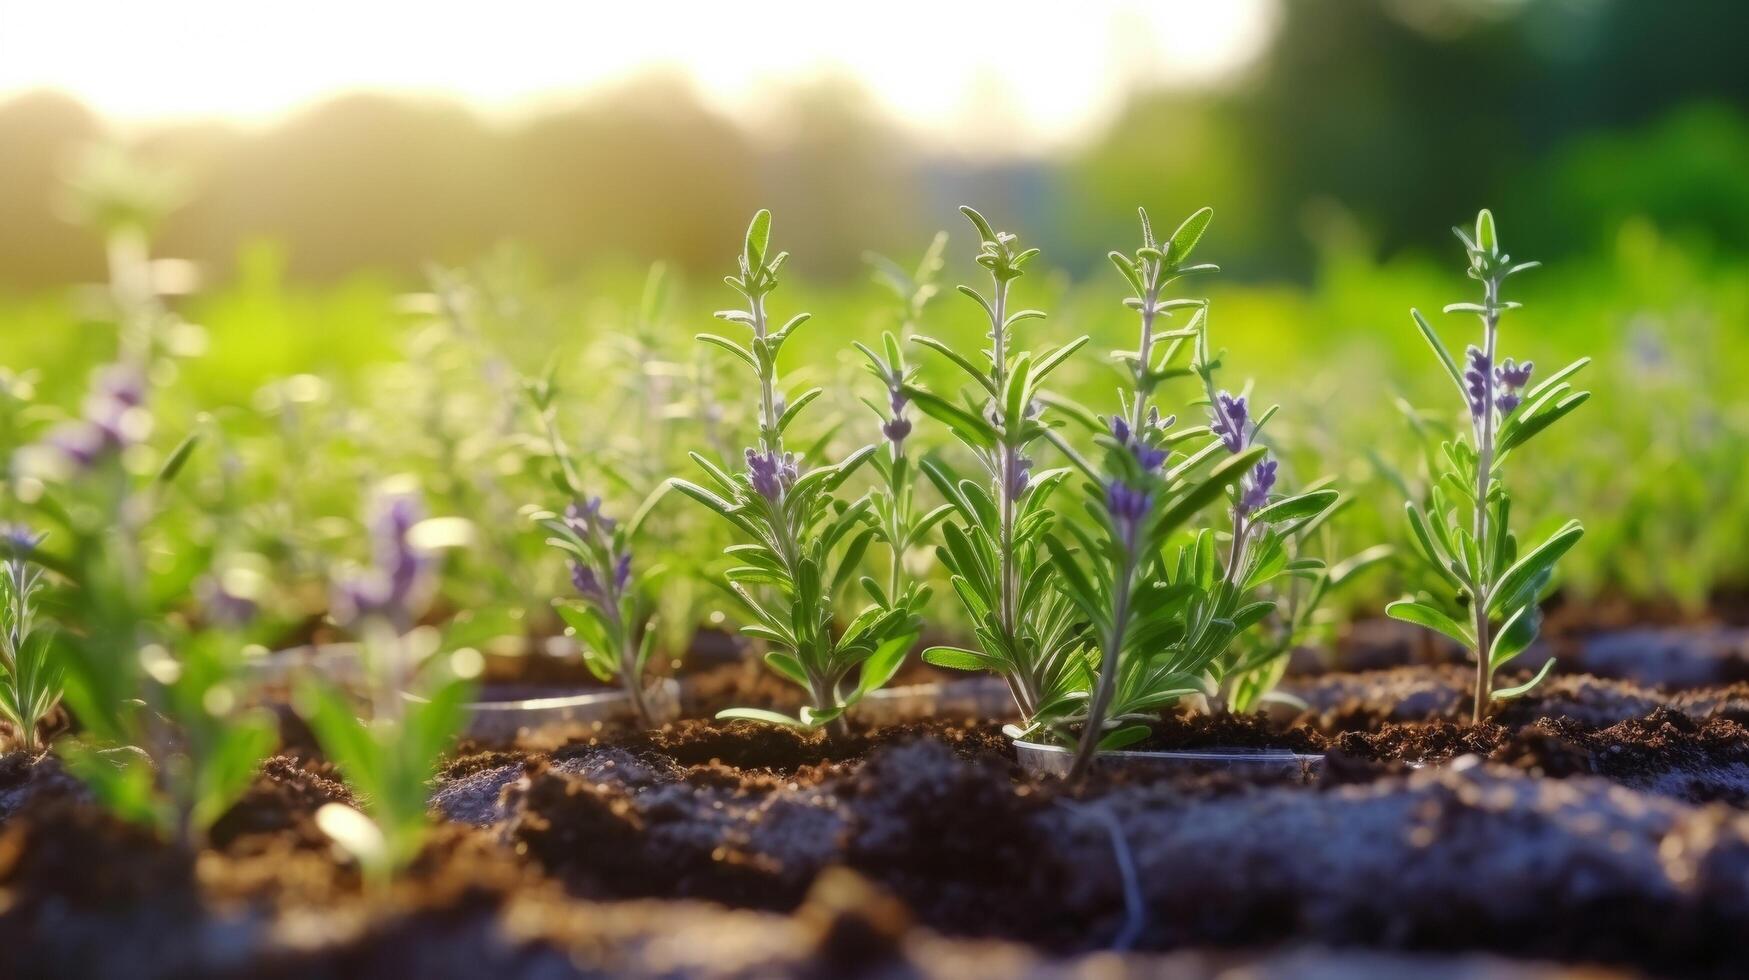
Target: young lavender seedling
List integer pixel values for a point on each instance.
(805, 546)
(1159, 626)
(417, 701)
(30, 678)
(610, 618)
(1027, 631)
(1265, 545)
(900, 527)
(1490, 591)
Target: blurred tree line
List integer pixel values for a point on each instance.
(1376, 120)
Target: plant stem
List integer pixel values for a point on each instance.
(1484, 476)
(1094, 727)
(1008, 458)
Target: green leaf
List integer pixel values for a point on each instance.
(1119, 738)
(1302, 507)
(178, 458)
(955, 658)
(1522, 432)
(1517, 633)
(788, 666)
(730, 346)
(1535, 563)
(1421, 614)
(758, 239)
(1187, 236)
(961, 361)
(758, 714)
(1445, 358)
(1508, 693)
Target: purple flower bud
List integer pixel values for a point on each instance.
(1120, 430)
(1128, 508)
(400, 575)
(584, 581)
(585, 519)
(898, 399)
(1514, 376)
(770, 474)
(20, 540)
(896, 429)
(622, 572)
(119, 385)
(1227, 419)
(1506, 403)
(81, 444)
(223, 607)
(1257, 486)
(1019, 475)
(1478, 381)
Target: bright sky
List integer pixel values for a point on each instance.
(1053, 69)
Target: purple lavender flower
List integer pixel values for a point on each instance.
(1257, 487)
(1228, 421)
(112, 419)
(584, 581)
(896, 429)
(584, 518)
(770, 474)
(622, 571)
(20, 540)
(223, 606)
(1512, 377)
(1151, 458)
(1019, 474)
(400, 574)
(1128, 508)
(1478, 381)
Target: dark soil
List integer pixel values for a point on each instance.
(1597, 826)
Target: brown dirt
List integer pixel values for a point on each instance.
(1601, 821)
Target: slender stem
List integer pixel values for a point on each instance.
(769, 437)
(1008, 458)
(1484, 476)
(1094, 727)
(1145, 352)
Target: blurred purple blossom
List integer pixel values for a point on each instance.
(1128, 507)
(1257, 487)
(112, 419)
(400, 575)
(224, 607)
(1227, 420)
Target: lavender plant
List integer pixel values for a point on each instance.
(1488, 590)
(900, 526)
(805, 547)
(167, 738)
(1265, 545)
(417, 701)
(30, 677)
(1028, 632)
(609, 617)
(1160, 626)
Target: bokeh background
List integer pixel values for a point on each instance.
(338, 177)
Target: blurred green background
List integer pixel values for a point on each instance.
(375, 272)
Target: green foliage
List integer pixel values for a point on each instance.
(1026, 631)
(1486, 591)
(30, 673)
(389, 758)
(803, 546)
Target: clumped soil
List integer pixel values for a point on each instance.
(1596, 828)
